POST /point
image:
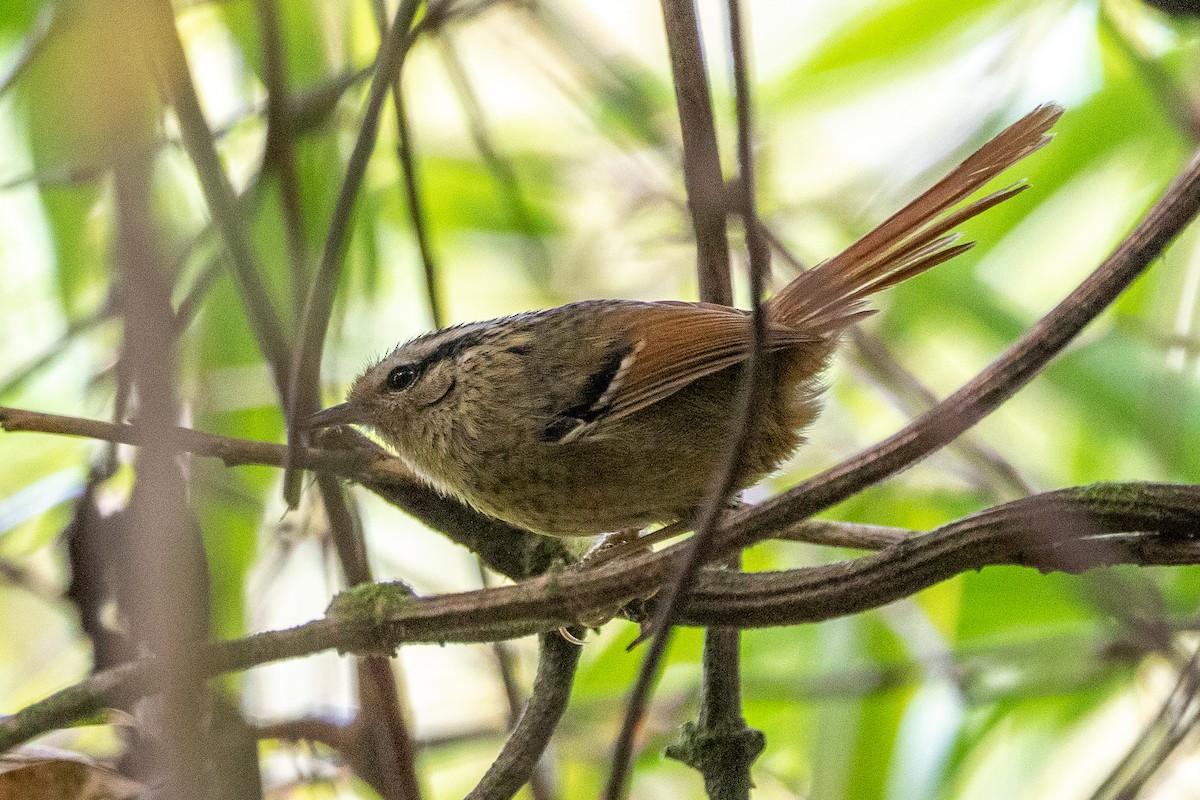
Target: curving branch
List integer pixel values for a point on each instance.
(1070, 530)
(989, 389)
(547, 702)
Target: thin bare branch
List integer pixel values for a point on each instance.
(176, 80)
(750, 400)
(505, 658)
(1176, 104)
(701, 159)
(380, 722)
(416, 207)
(303, 396)
(504, 548)
(538, 261)
(384, 730)
(994, 473)
(1176, 719)
(13, 382)
(408, 169)
(518, 759)
(719, 745)
(278, 151)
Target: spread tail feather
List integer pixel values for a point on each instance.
(830, 296)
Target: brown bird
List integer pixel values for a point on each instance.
(606, 415)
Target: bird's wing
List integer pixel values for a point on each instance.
(670, 345)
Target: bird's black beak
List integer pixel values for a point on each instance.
(341, 414)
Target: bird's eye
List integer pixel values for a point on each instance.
(402, 377)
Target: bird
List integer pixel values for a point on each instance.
(601, 416)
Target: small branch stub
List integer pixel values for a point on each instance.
(722, 755)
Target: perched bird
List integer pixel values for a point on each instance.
(607, 415)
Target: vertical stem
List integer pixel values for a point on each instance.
(539, 786)
(701, 159)
(279, 152)
(380, 714)
(163, 586)
(719, 745)
(416, 209)
(750, 399)
(412, 188)
(303, 395)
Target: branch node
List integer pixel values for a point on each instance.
(367, 609)
(721, 754)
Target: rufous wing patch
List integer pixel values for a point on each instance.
(676, 343)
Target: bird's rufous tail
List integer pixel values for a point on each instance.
(830, 296)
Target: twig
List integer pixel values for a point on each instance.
(380, 721)
(720, 746)
(186, 311)
(231, 451)
(303, 393)
(1004, 479)
(504, 548)
(506, 670)
(750, 401)
(344, 530)
(278, 151)
(1176, 718)
(995, 473)
(1065, 530)
(14, 381)
(1174, 102)
(382, 725)
(408, 169)
(416, 208)
(615, 81)
(519, 757)
(701, 159)
(176, 81)
(857, 535)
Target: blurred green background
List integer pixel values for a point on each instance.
(549, 161)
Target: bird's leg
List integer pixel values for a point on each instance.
(621, 544)
(628, 542)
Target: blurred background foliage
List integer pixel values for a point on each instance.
(547, 145)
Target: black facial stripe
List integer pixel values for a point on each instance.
(455, 343)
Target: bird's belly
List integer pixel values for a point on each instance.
(642, 469)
